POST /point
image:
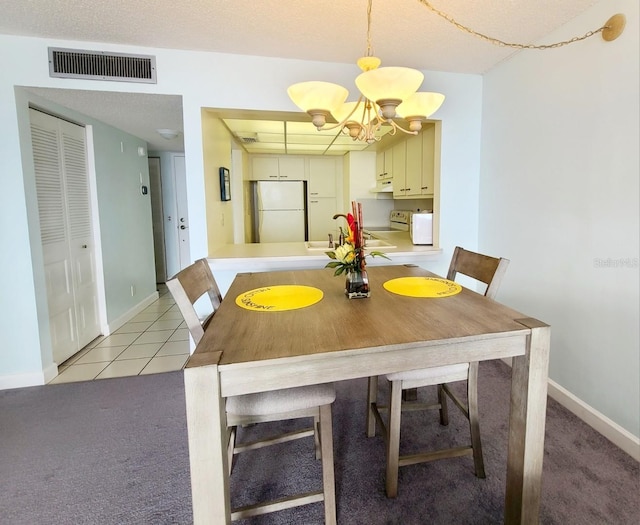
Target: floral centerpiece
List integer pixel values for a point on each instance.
(349, 256)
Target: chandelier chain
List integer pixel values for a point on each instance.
(502, 43)
(369, 47)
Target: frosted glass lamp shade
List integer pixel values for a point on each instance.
(315, 95)
(389, 83)
(422, 104)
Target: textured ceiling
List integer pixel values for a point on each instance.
(404, 32)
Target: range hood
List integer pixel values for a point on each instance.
(384, 186)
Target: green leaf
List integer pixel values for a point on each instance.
(379, 254)
(332, 255)
(333, 264)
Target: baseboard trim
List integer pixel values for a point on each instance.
(21, 380)
(131, 313)
(619, 436)
(47, 374)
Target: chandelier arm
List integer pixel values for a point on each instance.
(406, 131)
(344, 121)
(332, 126)
(501, 43)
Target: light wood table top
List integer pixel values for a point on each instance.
(337, 323)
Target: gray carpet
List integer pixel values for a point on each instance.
(115, 452)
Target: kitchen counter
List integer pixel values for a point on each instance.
(231, 259)
(287, 255)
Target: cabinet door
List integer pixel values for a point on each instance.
(380, 173)
(264, 168)
(399, 169)
(428, 161)
(292, 168)
(388, 163)
(384, 165)
(322, 177)
(320, 214)
(413, 178)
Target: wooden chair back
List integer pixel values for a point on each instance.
(189, 285)
(483, 268)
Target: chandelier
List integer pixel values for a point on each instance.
(385, 93)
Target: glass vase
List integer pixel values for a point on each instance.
(357, 284)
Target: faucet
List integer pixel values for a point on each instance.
(330, 240)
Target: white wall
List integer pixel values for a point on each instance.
(127, 260)
(559, 195)
(204, 80)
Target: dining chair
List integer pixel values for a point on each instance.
(482, 268)
(188, 287)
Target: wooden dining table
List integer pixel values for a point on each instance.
(337, 338)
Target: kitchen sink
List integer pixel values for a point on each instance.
(377, 243)
(318, 245)
(369, 244)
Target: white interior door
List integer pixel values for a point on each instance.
(62, 188)
(180, 174)
(81, 249)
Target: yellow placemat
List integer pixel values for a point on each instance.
(422, 287)
(279, 298)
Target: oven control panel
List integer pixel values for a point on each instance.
(400, 220)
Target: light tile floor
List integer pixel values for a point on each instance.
(156, 340)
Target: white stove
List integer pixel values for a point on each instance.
(399, 220)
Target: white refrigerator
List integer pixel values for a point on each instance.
(279, 211)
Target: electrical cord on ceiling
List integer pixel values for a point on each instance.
(610, 31)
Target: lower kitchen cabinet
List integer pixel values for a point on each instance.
(320, 212)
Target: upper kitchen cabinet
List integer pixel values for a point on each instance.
(278, 168)
(414, 170)
(384, 165)
(429, 160)
(322, 177)
(400, 169)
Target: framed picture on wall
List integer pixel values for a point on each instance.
(225, 185)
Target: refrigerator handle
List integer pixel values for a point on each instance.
(255, 234)
(306, 208)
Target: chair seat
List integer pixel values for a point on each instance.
(432, 376)
(277, 401)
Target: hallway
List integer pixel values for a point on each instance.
(156, 340)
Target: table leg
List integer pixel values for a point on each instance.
(207, 431)
(526, 426)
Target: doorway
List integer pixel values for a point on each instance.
(157, 219)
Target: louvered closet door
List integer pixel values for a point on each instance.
(65, 223)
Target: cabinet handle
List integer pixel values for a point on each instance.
(313, 202)
(314, 193)
(424, 188)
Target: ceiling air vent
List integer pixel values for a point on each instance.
(100, 65)
(247, 138)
